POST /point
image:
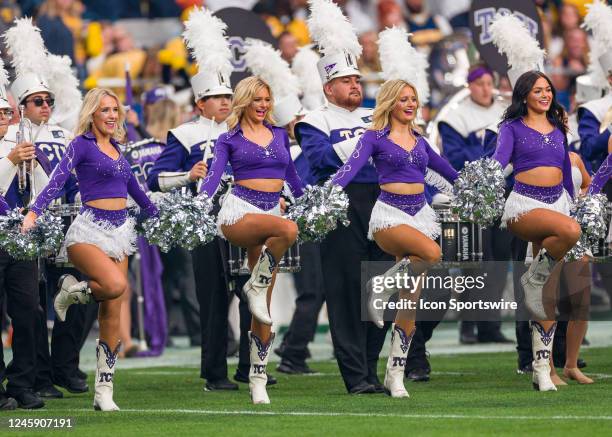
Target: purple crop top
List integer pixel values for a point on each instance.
(251, 161)
(99, 176)
(526, 148)
(602, 176)
(394, 163)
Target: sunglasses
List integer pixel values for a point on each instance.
(39, 101)
(6, 114)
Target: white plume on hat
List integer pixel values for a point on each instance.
(266, 62)
(599, 21)
(400, 60)
(335, 38)
(332, 31)
(4, 82)
(64, 84)
(205, 37)
(28, 56)
(304, 66)
(512, 38)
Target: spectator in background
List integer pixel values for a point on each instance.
(426, 28)
(369, 65)
(361, 14)
(288, 46)
(390, 14)
(571, 63)
(57, 36)
(569, 19)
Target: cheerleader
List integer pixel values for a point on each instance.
(102, 236)
(532, 137)
(402, 223)
(250, 214)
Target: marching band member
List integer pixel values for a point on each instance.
(249, 217)
(102, 236)
(328, 136)
(183, 163)
(18, 279)
(464, 139)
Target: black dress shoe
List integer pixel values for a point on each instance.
(291, 368)
(418, 375)
(7, 403)
(467, 338)
(495, 337)
(73, 385)
(362, 388)
(581, 364)
(222, 384)
(49, 392)
(27, 400)
(524, 368)
(378, 386)
(241, 377)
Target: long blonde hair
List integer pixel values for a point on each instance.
(163, 116)
(387, 98)
(91, 103)
(244, 93)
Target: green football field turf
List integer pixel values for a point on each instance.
(471, 394)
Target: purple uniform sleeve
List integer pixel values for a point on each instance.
(359, 158)
(440, 165)
(567, 174)
(291, 176)
(593, 144)
(60, 175)
(220, 160)
(602, 176)
(454, 146)
(505, 145)
(140, 197)
(4, 207)
(172, 158)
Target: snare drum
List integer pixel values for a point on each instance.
(68, 212)
(460, 241)
(238, 261)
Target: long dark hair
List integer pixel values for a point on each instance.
(518, 108)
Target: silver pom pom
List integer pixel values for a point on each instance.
(590, 213)
(318, 211)
(479, 192)
(44, 239)
(183, 220)
(579, 250)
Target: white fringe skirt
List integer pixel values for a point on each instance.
(113, 232)
(525, 198)
(241, 201)
(392, 210)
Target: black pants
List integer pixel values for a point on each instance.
(417, 354)
(310, 298)
(178, 276)
(496, 244)
(63, 361)
(357, 344)
(19, 283)
(214, 297)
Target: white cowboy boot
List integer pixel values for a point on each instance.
(375, 315)
(70, 291)
(396, 363)
(258, 378)
(256, 288)
(541, 345)
(533, 281)
(105, 371)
